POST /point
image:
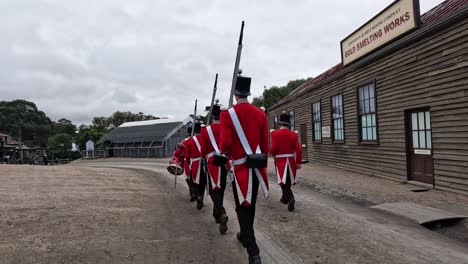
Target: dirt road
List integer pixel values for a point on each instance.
(91, 213)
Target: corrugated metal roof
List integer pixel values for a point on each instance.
(154, 122)
(144, 133)
(442, 10)
(431, 16)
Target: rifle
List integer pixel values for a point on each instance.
(236, 65)
(215, 88)
(194, 118)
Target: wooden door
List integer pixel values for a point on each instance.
(419, 146)
(304, 142)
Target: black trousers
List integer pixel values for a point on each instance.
(217, 196)
(246, 217)
(190, 185)
(286, 188)
(199, 188)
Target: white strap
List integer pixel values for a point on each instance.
(239, 161)
(284, 156)
(197, 143)
(240, 131)
(195, 159)
(211, 154)
(212, 139)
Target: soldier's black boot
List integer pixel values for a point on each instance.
(291, 202)
(199, 202)
(239, 237)
(192, 193)
(283, 200)
(223, 219)
(291, 205)
(255, 259)
(216, 215)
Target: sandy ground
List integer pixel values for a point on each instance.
(69, 214)
(92, 213)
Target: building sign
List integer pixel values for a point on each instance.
(398, 18)
(326, 131)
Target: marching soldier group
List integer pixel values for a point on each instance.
(236, 142)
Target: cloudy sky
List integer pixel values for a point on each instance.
(79, 59)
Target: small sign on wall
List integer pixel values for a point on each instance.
(422, 151)
(326, 131)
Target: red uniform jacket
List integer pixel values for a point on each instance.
(193, 158)
(208, 150)
(254, 124)
(286, 150)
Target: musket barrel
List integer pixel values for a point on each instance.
(194, 118)
(215, 88)
(236, 65)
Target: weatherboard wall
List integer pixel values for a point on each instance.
(431, 72)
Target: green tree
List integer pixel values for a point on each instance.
(118, 118)
(22, 118)
(272, 95)
(59, 147)
(101, 123)
(59, 143)
(86, 133)
(63, 126)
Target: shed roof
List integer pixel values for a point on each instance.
(142, 133)
(155, 121)
(430, 17)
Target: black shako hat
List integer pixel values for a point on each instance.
(284, 119)
(189, 130)
(197, 128)
(216, 112)
(198, 124)
(242, 86)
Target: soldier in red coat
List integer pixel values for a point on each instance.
(216, 175)
(194, 159)
(187, 167)
(286, 150)
(244, 132)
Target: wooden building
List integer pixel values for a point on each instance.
(398, 110)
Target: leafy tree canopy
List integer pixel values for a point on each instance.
(118, 118)
(22, 118)
(63, 126)
(60, 143)
(275, 93)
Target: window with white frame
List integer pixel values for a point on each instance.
(367, 113)
(291, 120)
(337, 118)
(317, 121)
